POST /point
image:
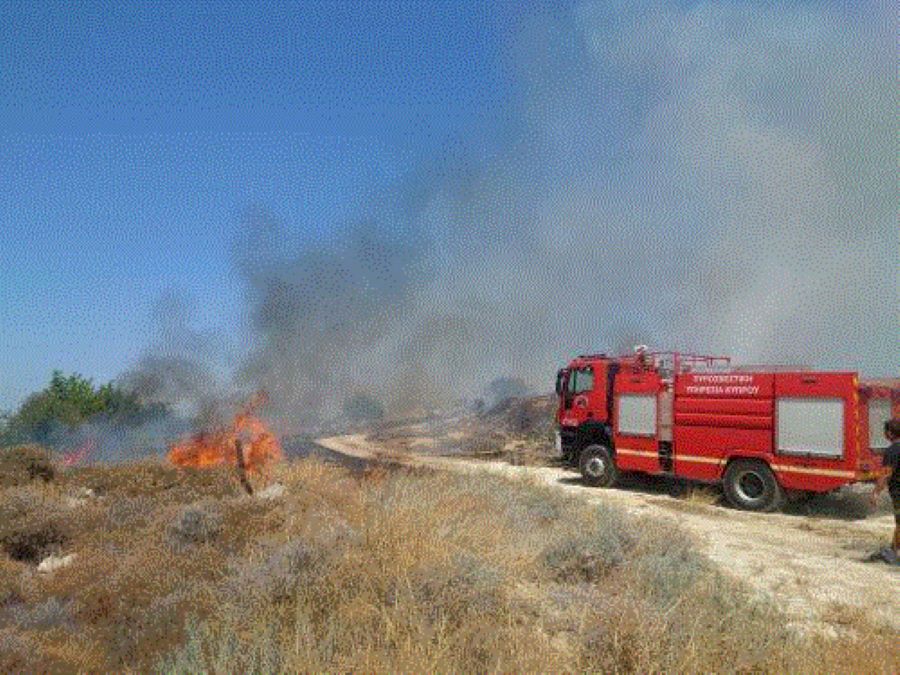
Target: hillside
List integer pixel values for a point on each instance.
(386, 569)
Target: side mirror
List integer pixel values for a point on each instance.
(559, 381)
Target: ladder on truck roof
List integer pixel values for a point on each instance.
(683, 362)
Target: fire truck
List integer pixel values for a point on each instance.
(765, 433)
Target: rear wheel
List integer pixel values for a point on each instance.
(598, 468)
(751, 485)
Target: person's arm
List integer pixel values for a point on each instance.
(889, 460)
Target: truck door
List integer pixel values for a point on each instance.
(816, 423)
(636, 421)
(584, 400)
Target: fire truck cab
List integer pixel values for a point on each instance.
(763, 432)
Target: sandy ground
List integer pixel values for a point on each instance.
(813, 567)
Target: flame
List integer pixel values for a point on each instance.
(80, 453)
(210, 448)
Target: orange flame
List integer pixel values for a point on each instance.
(260, 445)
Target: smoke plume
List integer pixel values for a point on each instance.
(714, 178)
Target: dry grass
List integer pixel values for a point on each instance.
(430, 571)
(124, 599)
(703, 495)
(394, 570)
(24, 464)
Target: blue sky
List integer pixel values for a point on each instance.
(697, 174)
(134, 135)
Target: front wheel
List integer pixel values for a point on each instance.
(598, 468)
(750, 485)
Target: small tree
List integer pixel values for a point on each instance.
(69, 401)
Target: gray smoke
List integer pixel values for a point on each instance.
(715, 178)
(179, 383)
(180, 367)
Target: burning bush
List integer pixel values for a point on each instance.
(259, 447)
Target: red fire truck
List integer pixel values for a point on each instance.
(763, 432)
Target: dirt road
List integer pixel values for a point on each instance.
(812, 566)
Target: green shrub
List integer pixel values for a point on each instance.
(68, 401)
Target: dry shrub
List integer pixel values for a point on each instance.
(135, 601)
(50, 613)
(277, 574)
(474, 573)
(591, 552)
(129, 512)
(16, 652)
(33, 523)
(452, 590)
(217, 648)
(152, 549)
(24, 464)
(702, 494)
(156, 479)
(489, 443)
(393, 586)
(529, 416)
(198, 523)
(10, 588)
(391, 570)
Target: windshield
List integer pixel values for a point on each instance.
(581, 380)
(561, 380)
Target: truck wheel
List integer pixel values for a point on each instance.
(598, 468)
(751, 485)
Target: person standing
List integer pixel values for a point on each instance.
(891, 460)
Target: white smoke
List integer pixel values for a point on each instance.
(720, 177)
